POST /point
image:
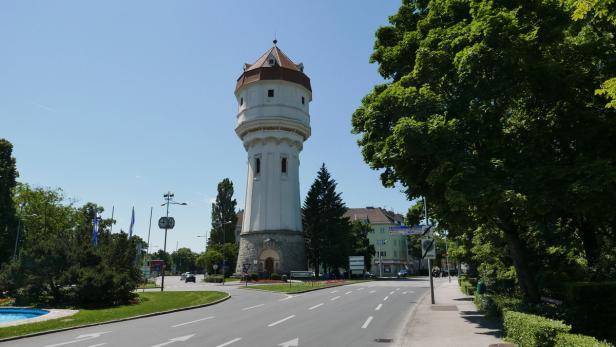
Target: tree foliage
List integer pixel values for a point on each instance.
(8, 219)
(184, 260)
(490, 112)
(224, 218)
(327, 233)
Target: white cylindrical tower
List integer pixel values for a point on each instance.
(273, 122)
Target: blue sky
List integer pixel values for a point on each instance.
(117, 102)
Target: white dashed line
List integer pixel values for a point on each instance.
(385, 299)
(98, 345)
(378, 307)
(372, 291)
(230, 342)
(390, 293)
(397, 289)
(315, 306)
(367, 322)
(334, 298)
(287, 298)
(280, 321)
(349, 292)
(194, 321)
(362, 288)
(404, 292)
(251, 307)
(410, 291)
(333, 291)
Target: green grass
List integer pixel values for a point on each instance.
(148, 285)
(150, 302)
(299, 287)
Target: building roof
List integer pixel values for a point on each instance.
(273, 65)
(374, 215)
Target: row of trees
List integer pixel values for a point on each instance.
(496, 112)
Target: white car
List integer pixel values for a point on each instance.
(183, 276)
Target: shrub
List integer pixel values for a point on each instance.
(591, 308)
(275, 276)
(530, 330)
(574, 340)
(214, 279)
(254, 277)
(467, 287)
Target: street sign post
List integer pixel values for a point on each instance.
(356, 264)
(412, 230)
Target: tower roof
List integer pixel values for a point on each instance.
(273, 65)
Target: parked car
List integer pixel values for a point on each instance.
(403, 273)
(183, 276)
(190, 278)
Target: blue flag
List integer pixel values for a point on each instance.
(132, 223)
(95, 230)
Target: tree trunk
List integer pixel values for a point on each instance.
(519, 256)
(589, 241)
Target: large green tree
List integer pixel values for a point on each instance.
(327, 233)
(224, 218)
(8, 176)
(360, 242)
(184, 260)
(490, 112)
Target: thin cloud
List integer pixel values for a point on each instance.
(44, 107)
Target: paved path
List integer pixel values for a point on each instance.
(353, 315)
(452, 321)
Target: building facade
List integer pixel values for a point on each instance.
(273, 121)
(391, 248)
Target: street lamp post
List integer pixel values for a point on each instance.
(21, 207)
(169, 201)
(204, 251)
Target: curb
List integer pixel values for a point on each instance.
(409, 318)
(117, 320)
(302, 291)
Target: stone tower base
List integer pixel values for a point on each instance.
(275, 251)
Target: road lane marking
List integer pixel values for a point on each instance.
(194, 321)
(372, 291)
(280, 321)
(367, 322)
(410, 291)
(390, 293)
(362, 288)
(334, 298)
(287, 298)
(98, 345)
(378, 307)
(80, 338)
(349, 292)
(251, 307)
(315, 306)
(387, 297)
(230, 342)
(404, 292)
(333, 291)
(174, 340)
(290, 343)
(397, 289)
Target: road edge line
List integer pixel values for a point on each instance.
(409, 317)
(117, 320)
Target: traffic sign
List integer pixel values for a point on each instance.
(428, 249)
(413, 230)
(356, 262)
(166, 222)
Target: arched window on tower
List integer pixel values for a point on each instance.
(257, 168)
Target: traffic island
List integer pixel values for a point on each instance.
(302, 287)
(150, 304)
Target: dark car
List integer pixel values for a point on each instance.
(190, 278)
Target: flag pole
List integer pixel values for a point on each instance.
(112, 210)
(150, 229)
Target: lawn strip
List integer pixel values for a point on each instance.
(298, 288)
(153, 303)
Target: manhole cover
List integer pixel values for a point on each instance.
(382, 340)
(444, 308)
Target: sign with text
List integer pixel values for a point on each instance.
(413, 230)
(356, 262)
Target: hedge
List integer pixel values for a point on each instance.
(467, 287)
(574, 340)
(214, 279)
(529, 330)
(592, 308)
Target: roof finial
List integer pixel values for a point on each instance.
(275, 42)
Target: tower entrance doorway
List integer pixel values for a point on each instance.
(269, 265)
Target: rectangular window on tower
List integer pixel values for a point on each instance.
(270, 93)
(283, 165)
(257, 168)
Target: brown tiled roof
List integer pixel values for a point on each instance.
(282, 68)
(374, 215)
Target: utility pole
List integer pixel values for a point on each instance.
(21, 207)
(429, 259)
(169, 200)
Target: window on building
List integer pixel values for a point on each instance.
(382, 230)
(272, 61)
(241, 101)
(303, 100)
(283, 165)
(270, 93)
(257, 166)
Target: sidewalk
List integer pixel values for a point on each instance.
(452, 321)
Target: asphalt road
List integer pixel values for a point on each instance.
(352, 315)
